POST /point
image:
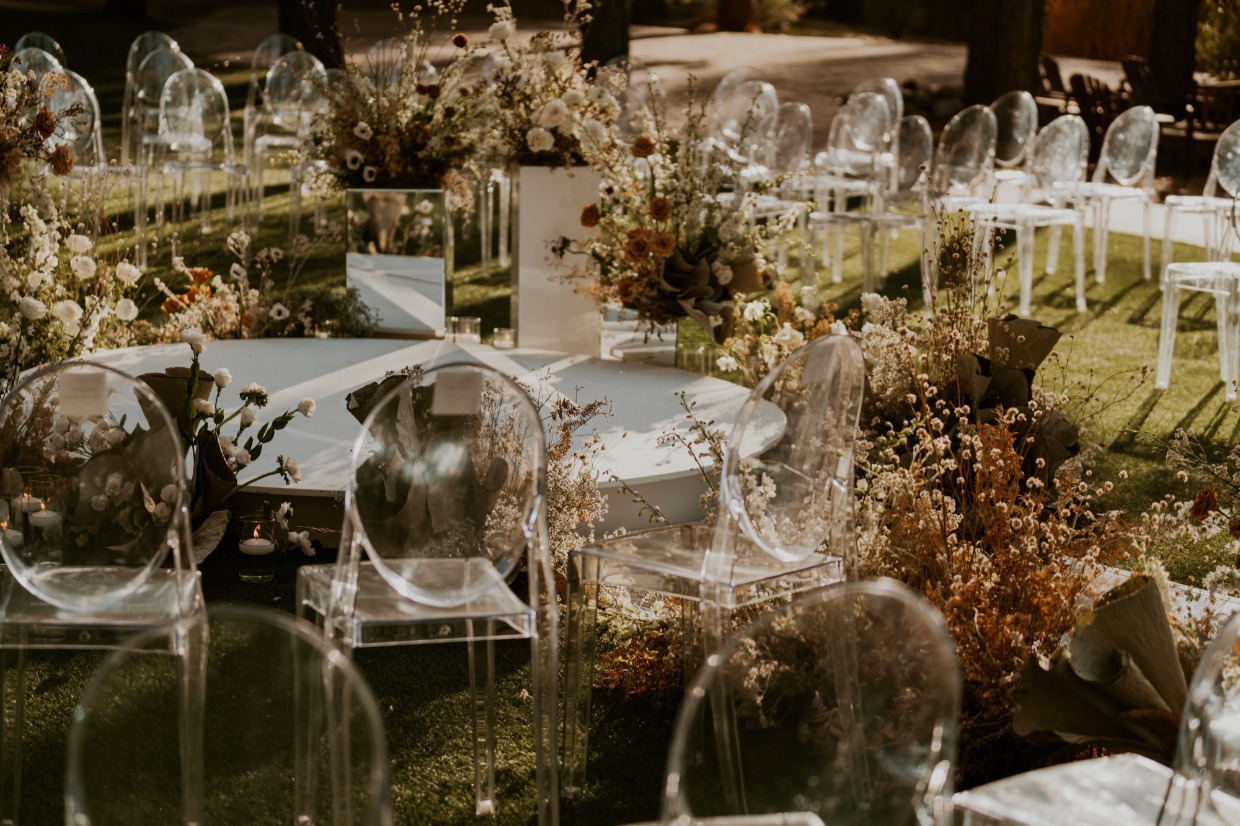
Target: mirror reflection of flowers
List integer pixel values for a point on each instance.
(672, 241)
(29, 129)
(542, 99)
(394, 122)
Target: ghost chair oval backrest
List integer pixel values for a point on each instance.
(641, 98)
(1059, 153)
(888, 88)
(1129, 148)
(46, 42)
(141, 47)
(95, 497)
(739, 114)
(82, 132)
(150, 79)
(33, 60)
(1016, 114)
(288, 728)
(966, 150)
(194, 116)
(1225, 166)
(916, 151)
(858, 134)
(272, 48)
(294, 91)
(844, 706)
(448, 484)
(789, 133)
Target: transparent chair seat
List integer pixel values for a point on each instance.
(1024, 219)
(381, 617)
(1216, 211)
(1123, 788)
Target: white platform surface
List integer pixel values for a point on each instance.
(326, 370)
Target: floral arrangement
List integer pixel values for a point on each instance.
(27, 127)
(58, 296)
(401, 126)
(542, 101)
(193, 395)
(767, 331)
(671, 242)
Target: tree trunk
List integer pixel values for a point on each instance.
(606, 36)
(1173, 51)
(313, 22)
(1005, 39)
(735, 15)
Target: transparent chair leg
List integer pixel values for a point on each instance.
(1166, 333)
(1165, 258)
(482, 700)
(1101, 237)
(1024, 259)
(715, 625)
(871, 277)
(13, 707)
(1078, 254)
(1146, 218)
(191, 652)
(505, 219)
(581, 636)
(486, 210)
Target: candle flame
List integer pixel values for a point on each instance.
(256, 531)
(42, 507)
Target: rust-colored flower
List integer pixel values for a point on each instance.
(664, 245)
(626, 290)
(62, 161)
(1233, 526)
(1204, 504)
(420, 88)
(638, 246)
(199, 275)
(643, 147)
(44, 123)
(589, 216)
(433, 91)
(660, 208)
(172, 305)
(460, 40)
(419, 133)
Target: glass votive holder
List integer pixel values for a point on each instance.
(505, 338)
(16, 479)
(465, 329)
(257, 545)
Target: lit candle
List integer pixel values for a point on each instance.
(44, 518)
(504, 339)
(257, 545)
(13, 538)
(28, 504)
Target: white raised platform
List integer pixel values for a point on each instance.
(326, 370)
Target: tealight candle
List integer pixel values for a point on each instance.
(257, 545)
(28, 504)
(45, 518)
(14, 538)
(505, 339)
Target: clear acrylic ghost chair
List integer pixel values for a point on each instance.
(794, 435)
(445, 500)
(96, 538)
(84, 135)
(268, 52)
(36, 65)
(293, 94)
(1215, 205)
(290, 730)
(388, 61)
(1058, 154)
(841, 704)
(1201, 789)
(133, 111)
(888, 88)
(197, 142)
(46, 42)
(899, 208)
(149, 81)
(738, 114)
(1220, 279)
(643, 91)
(1125, 171)
(723, 89)
(1016, 114)
(783, 152)
(965, 155)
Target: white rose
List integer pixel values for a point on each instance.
(82, 267)
(248, 416)
(168, 493)
(594, 130)
(803, 315)
(292, 469)
(500, 30)
(162, 512)
(788, 337)
(127, 273)
(126, 310)
(723, 273)
(37, 280)
(553, 113)
(241, 457)
(70, 315)
(554, 61)
(222, 377)
(114, 437)
(78, 244)
(306, 407)
(112, 487)
(871, 303)
(539, 139)
(99, 503)
(194, 339)
(838, 329)
(205, 406)
(32, 308)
